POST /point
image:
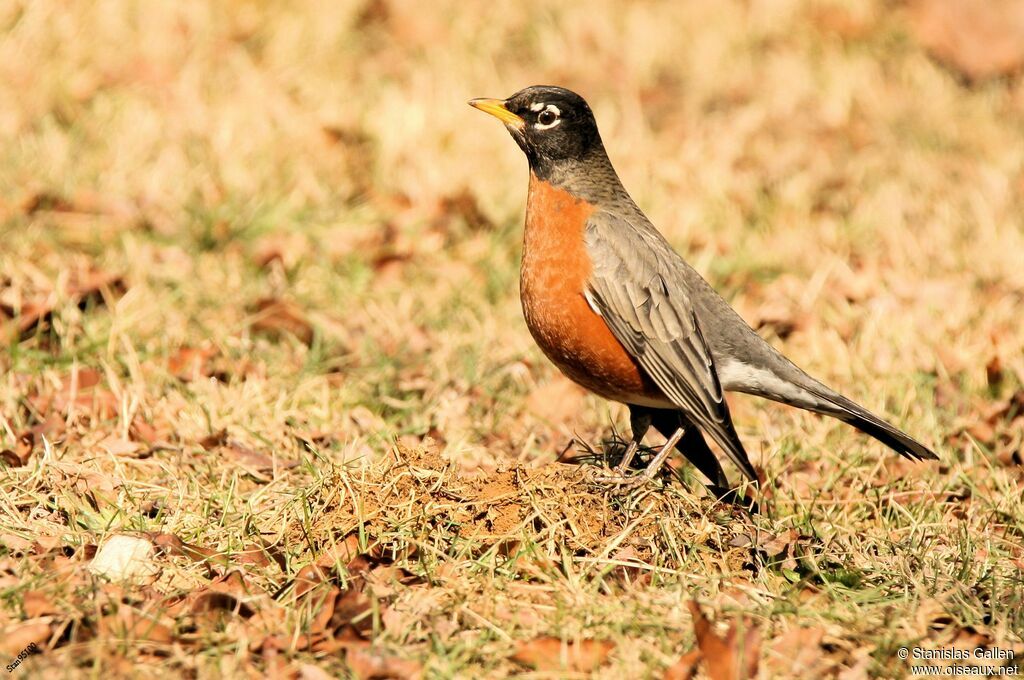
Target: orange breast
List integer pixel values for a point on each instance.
(552, 281)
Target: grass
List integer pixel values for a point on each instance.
(312, 245)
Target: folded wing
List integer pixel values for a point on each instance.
(634, 289)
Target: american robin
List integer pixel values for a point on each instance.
(621, 313)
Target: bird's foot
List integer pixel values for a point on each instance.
(620, 477)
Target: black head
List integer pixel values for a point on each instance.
(552, 125)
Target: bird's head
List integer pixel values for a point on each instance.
(552, 125)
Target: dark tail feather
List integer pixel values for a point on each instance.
(851, 413)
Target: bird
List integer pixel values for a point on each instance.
(622, 314)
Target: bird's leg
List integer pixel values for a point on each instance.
(619, 478)
(639, 423)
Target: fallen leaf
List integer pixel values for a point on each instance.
(85, 286)
(781, 549)
(16, 544)
(463, 205)
(339, 553)
(994, 372)
(189, 363)
(286, 249)
(16, 638)
(685, 668)
(310, 672)
(220, 601)
(128, 624)
(252, 554)
(254, 460)
(844, 20)
(148, 433)
(797, 654)
(275, 317)
(116, 446)
(37, 604)
(80, 392)
(350, 613)
(10, 458)
(212, 441)
(227, 597)
(309, 576)
(553, 654)
(374, 664)
(25, 445)
(170, 544)
(979, 38)
(730, 658)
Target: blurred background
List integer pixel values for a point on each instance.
(206, 182)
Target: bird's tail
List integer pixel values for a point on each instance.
(836, 405)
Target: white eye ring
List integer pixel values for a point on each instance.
(555, 117)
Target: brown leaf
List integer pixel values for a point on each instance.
(170, 544)
(327, 601)
(339, 553)
(350, 613)
(275, 317)
(32, 309)
(553, 654)
(37, 200)
(311, 672)
(731, 658)
(228, 595)
(16, 638)
(147, 433)
(189, 363)
(463, 204)
(86, 286)
(16, 544)
(253, 554)
(220, 601)
(10, 458)
(254, 460)
(212, 441)
(23, 448)
(82, 392)
(36, 604)
(287, 249)
(781, 548)
(374, 664)
(994, 372)
(116, 446)
(797, 653)
(128, 624)
(978, 38)
(308, 577)
(843, 20)
(685, 668)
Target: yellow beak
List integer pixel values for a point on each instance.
(496, 108)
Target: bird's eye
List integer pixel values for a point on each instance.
(547, 117)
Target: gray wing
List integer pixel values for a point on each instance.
(638, 290)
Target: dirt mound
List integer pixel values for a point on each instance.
(414, 497)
